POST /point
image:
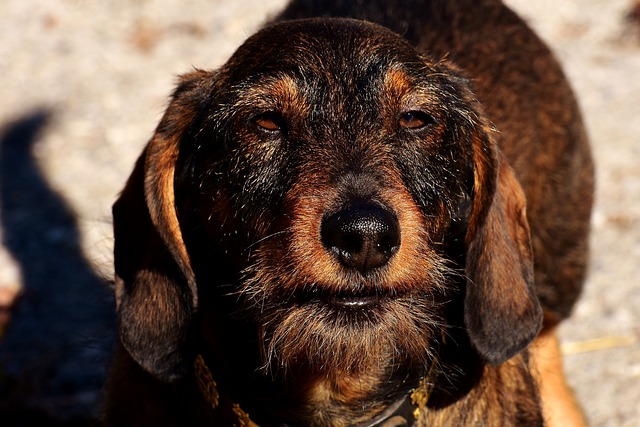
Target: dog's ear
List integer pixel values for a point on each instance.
(156, 292)
(502, 312)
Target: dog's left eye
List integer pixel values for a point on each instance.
(415, 119)
(270, 121)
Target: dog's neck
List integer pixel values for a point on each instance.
(404, 411)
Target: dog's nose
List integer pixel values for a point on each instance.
(363, 237)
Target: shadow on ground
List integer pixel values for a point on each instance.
(54, 354)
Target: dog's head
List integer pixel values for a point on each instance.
(354, 187)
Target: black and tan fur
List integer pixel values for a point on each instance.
(462, 137)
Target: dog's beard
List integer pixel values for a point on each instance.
(319, 338)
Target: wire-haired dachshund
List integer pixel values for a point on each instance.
(343, 226)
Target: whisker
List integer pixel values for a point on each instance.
(257, 242)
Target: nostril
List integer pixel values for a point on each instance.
(363, 237)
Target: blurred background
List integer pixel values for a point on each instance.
(84, 82)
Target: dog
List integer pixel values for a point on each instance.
(364, 218)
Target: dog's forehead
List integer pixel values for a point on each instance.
(332, 47)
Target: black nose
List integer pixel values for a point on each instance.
(362, 236)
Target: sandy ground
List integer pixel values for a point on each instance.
(84, 84)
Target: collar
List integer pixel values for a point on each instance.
(403, 412)
(223, 406)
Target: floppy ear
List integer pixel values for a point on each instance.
(502, 312)
(156, 292)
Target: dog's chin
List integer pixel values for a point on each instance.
(348, 334)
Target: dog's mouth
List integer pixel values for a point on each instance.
(350, 300)
(354, 301)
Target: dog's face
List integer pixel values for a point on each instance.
(346, 161)
(354, 187)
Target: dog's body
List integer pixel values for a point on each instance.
(331, 223)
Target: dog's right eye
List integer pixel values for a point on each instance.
(270, 121)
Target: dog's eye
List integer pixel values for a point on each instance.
(415, 119)
(270, 121)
